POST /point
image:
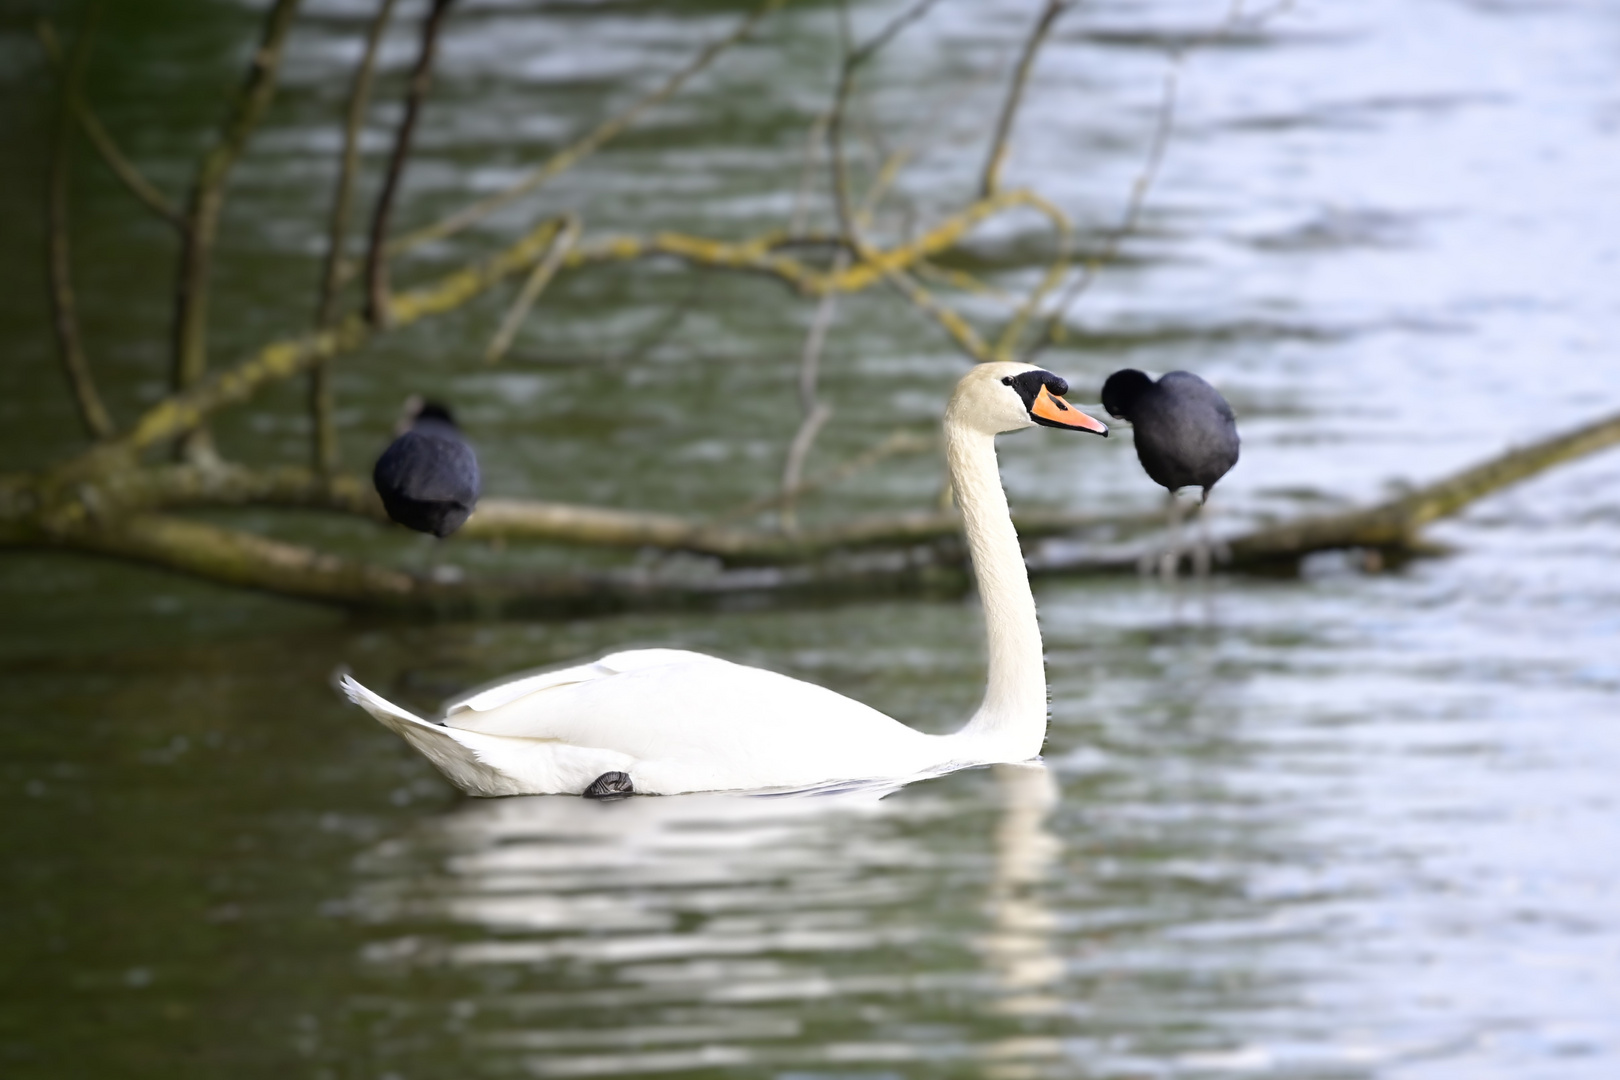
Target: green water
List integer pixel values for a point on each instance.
(1339, 826)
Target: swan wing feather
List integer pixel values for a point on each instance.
(490, 765)
(708, 722)
(503, 693)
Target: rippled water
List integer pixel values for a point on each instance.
(1339, 826)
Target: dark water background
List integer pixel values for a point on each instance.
(1340, 826)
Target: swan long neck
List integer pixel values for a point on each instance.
(1014, 711)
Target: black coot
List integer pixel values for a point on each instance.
(428, 477)
(1186, 435)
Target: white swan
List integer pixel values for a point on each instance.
(665, 721)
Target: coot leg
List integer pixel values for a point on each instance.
(1203, 547)
(610, 786)
(1170, 558)
(1163, 562)
(1208, 549)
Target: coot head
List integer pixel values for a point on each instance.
(1123, 390)
(432, 410)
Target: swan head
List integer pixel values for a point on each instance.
(1003, 396)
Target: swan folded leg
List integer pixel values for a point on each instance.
(610, 786)
(528, 766)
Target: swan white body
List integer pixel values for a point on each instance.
(678, 721)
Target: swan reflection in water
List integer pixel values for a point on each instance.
(703, 931)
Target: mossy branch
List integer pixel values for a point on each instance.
(283, 359)
(1392, 527)
(892, 551)
(207, 199)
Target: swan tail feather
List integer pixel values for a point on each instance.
(452, 752)
(386, 711)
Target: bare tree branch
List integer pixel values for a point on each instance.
(1234, 20)
(539, 278)
(953, 324)
(185, 411)
(572, 154)
(416, 93)
(65, 318)
(854, 57)
(899, 442)
(801, 196)
(1109, 249)
(991, 177)
(816, 414)
(207, 199)
(120, 166)
(324, 432)
(1007, 343)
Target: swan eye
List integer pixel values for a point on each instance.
(1007, 381)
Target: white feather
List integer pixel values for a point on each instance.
(679, 721)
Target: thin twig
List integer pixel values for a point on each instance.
(64, 312)
(991, 178)
(787, 518)
(888, 172)
(854, 57)
(206, 201)
(801, 197)
(850, 222)
(1109, 249)
(120, 166)
(1007, 343)
(421, 78)
(961, 279)
(325, 443)
(572, 154)
(816, 413)
(656, 333)
(899, 442)
(957, 327)
(1164, 125)
(539, 278)
(921, 133)
(187, 410)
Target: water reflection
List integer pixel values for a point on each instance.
(704, 930)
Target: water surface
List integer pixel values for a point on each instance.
(1347, 825)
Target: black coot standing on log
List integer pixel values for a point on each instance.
(428, 477)
(1186, 436)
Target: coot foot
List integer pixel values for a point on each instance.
(610, 786)
(1202, 552)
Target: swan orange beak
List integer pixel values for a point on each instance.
(1052, 411)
